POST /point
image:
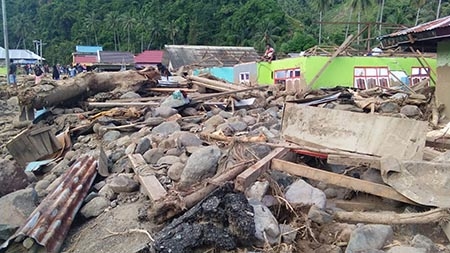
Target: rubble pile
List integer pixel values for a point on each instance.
(209, 166)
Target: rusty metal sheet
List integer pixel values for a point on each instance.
(426, 183)
(361, 133)
(50, 221)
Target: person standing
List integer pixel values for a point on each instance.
(55, 72)
(12, 73)
(38, 73)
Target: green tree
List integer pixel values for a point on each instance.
(418, 4)
(112, 20)
(91, 21)
(128, 22)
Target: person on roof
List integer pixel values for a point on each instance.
(269, 54)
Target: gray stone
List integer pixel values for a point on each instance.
(301, 192)
(153, 121)
(111, 135)
(319, 216)
(260, 150)
(225, 114)
(214, 121)
(122, 183)
(90, 196)
(129, 95)
(168, 160)
(95, 207)
(330, 249)
(186, 139)
(201, 164)
(166, 128)
(266, 225)
(288, 233)
(257, 190)
(330, 193)
(406, 249)
(389, 107)
(272, 111)
(41, 187)
(369, 237)
(249, 120)
(238, 126)
(13, 101)
(153, 155)
(130, 149)
(190, 111)
(174, 152)
(123, 141)
(168, 143)
(175, 170)
(143, 146)
(421, 241)
(12, 177)
(410, 111)
(107, 192)
(117, 154)
(15, 207)
(164, 111)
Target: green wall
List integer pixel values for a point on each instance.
(340, 70)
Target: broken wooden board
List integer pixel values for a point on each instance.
(246, 178)
(150, 184)
(354, 160)
(339, 180)
(427, 183)
(360, 133)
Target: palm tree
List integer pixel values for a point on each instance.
(360, 6)
(112, 20)
(418, 4)
(438, 9)
(21, 28)
(173, 30)
(91, 23)
(322, 6)
(380, 18)
(128, 22)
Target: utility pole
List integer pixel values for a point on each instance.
(5, 38)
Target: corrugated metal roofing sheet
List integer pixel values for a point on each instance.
(50, 221)
(438, 23)
(115, 57)
(209, 56)
(149, 56)
(85, 59)
(17, 54)
(88, 49)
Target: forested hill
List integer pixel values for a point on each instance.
(133, 25)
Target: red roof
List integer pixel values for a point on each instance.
(85, 59)
(149, 56)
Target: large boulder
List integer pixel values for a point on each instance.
(17, 206)
(200, 165)
(12, 177)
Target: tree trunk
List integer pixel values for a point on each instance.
(417, 16)
(320, 28)
(87, 84)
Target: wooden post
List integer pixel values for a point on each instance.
(339, 180)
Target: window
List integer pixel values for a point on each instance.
(286, 75)
(418, 74)
(244, 77)
(370, 77)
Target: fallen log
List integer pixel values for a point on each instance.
(86, 84)
(432, 216)
(166, 208)
(214, 83)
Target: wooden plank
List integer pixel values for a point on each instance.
(115, 104)
(339, 180)
(150, 184)
(360, 133)
(161, 89)
(247, 177)
(354, 160)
